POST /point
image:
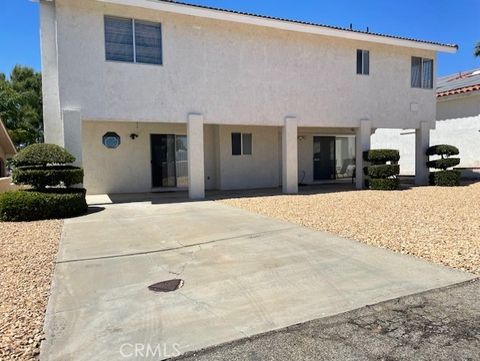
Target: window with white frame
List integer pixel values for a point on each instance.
(133, 41)
(422, 73)
(363, 62)
(241, 143)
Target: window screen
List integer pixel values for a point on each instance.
(247, 143)
(427, 75)
(416, 72)
(236, 143)
(359, 61)
(119, 39)
(148, 42)
(363, 62)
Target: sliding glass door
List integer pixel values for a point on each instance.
(333, 157)
(169, 161)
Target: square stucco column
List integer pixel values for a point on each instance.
(290, 156)
(362, 144)
(196, 172)
(72, 133)
(422, 142)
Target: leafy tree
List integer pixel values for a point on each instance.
(477, 50)
(21, 105)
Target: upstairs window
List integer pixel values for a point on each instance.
(422, 73)
(133, 41)
(241, 143)
(363, 62)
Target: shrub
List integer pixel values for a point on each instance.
(40, 177)
(49, 204)
(383, 176)
(383, 184)
(381, 156)
(42, 155)
(44, 167)
(382, 170)
(445, 178)
(443, 149)
(443, 163)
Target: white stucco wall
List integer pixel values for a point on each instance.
(458, 124)
(228, 72)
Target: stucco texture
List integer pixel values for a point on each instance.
(232, 74)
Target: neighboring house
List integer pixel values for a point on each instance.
(458, 123)
(7, 150)
(160, 95)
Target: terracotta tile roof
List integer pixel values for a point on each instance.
(310, 23)
(464, 82)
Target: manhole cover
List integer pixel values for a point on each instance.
(166, 286)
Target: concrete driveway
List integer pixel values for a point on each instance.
(244, 274)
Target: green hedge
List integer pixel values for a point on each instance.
(443, 163)
(445, 178)
(379, 156)
(382, 184)
(42, 155)
(443, 149)
(382, 170)
(52, 204)
(40, 177)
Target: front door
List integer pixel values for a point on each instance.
(323, 158)
(169, 160)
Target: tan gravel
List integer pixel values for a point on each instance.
(27, 253)
(438, 224)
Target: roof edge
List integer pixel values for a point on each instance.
(283, 24)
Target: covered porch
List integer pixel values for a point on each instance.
(196, 156)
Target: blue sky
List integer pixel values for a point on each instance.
(450, 21)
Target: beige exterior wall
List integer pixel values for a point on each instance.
(258, 170)
(127, 168)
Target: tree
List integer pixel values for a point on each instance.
(477, 50)
(21, 105)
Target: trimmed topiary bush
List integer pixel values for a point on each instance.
(45, 168)
(383, 172)
(444, 177)
(29, 205)
(381, 156)
(42, 155)
(40, 177)
(443, 149)
(444, 163)
(383, 184)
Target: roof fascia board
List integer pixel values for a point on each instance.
(277, 24)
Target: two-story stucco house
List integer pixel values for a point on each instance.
(160, 95)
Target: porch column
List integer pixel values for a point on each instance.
(422, 142)
(362, 144)
(72, 133)
(290, 156)
(196, 172)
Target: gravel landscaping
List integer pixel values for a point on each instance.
(439, 224)
(28, 253)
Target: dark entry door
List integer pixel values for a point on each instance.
(323, 158)
(163, 160)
